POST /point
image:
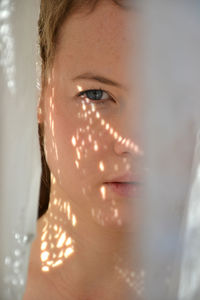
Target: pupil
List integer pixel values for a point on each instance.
(95, 94)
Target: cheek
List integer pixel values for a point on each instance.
(77, 143)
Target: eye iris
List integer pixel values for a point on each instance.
(94, 94)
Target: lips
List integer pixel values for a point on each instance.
(126, 186)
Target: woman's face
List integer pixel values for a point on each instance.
(91, 116)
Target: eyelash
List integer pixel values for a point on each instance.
(83, 94)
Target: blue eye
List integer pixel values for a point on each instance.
(95, 95)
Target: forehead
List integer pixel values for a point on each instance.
(98, 40)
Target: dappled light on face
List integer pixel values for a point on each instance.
(103, 192)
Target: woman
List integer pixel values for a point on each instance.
(82, 249)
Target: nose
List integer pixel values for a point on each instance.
(127, 146)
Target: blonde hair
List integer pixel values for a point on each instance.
(53, 13)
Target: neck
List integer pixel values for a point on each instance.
(79, 251)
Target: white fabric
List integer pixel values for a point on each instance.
(19, 153)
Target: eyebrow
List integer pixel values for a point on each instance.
(99, 78)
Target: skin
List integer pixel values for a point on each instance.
(85, 237)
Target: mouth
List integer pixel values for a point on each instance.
(125, 188)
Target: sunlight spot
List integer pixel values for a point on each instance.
(93, 107)
(61, 240)
(50, 101)
(77, 164)
(91, 121)
(88, 128)
(45, 269)
(101, 166)
(74, 221)
(83, 106)
(97, 115)
(127, 143)
(119, 139)
(80, 89)
(44, 256)
(55, 201)
(50, 262)
(78, 154)
(85, 115)
(60, 254)
(55, 227)
(43, 246)
(83, 143)
(53, 179)
(116, 213)
(44, 236)
(68, 211)
(96, 147)
(74, 141)
(115, 135)
(124, 159)
(89, 112)
(103, 192)
(90, 138)
(68, 252)
(124, 140)
(128, 167)
(102, 122)
(111, 130)
(57, 263)
(69, 241)
(107, 126)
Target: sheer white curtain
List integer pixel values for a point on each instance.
(19, 152)
(172, 100)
